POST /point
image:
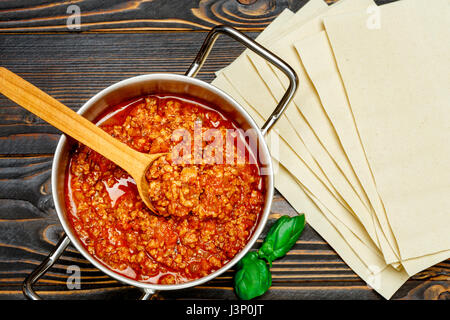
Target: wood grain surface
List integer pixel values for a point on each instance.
(142, 15)
(72, 67)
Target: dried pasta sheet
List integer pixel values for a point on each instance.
(396, 69)
(289, 156)
(382, 278)
(360, 257)
(319, 62)
(250, 83)
(307, 102)
(310, 121)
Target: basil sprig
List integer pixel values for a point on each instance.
(253, 276)
(281, 237)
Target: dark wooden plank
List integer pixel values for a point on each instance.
(20, 16)
(123, 15)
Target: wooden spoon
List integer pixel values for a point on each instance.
(58, 115)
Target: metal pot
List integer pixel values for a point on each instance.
(176, 84)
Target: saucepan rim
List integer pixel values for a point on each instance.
(60, 203)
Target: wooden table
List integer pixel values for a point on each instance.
(120, 39)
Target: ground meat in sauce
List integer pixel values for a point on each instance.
(206, 211)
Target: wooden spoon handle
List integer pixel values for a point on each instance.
(58, 115)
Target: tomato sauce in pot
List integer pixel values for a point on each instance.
(207, 210)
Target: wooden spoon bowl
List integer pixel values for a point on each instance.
(71, 123)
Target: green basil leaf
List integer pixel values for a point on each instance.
(253, 277)
(281, 237)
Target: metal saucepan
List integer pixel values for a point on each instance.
(176, 84)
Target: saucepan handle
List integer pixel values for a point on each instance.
(258, 49)
(37, 273)
(51, 259)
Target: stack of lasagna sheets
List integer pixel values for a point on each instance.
(363, 149)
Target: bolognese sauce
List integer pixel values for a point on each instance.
(206, 211)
